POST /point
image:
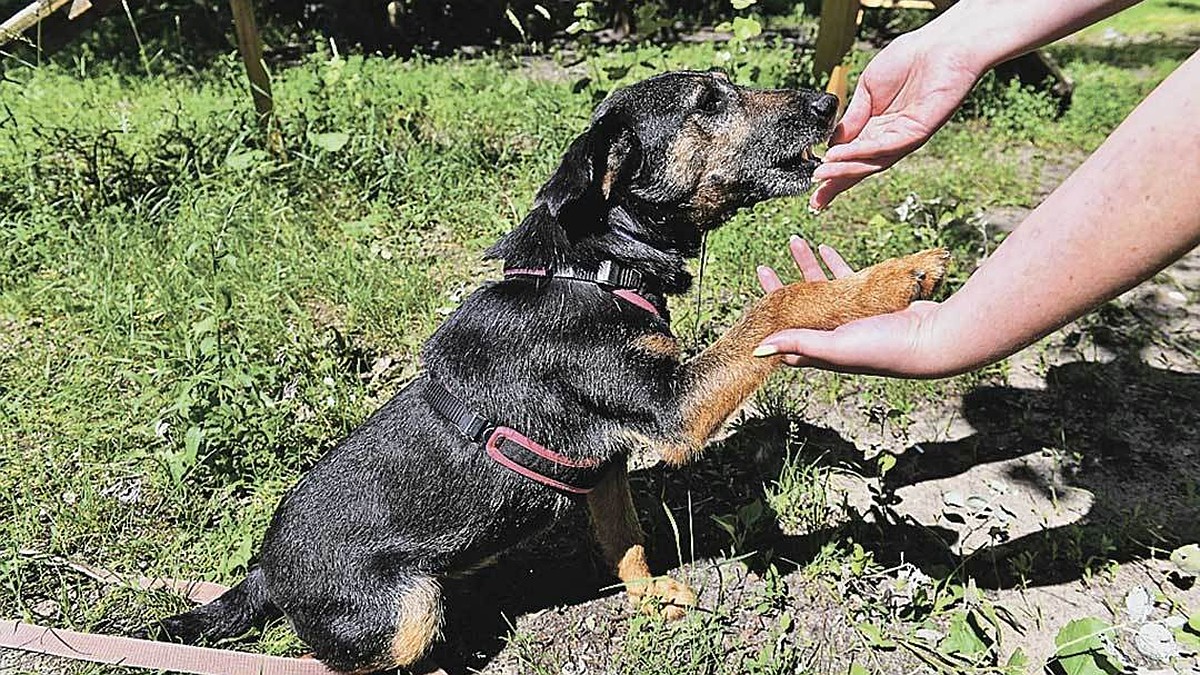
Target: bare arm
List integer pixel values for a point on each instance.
(1127, 212)
(909, 90)
(998, 30)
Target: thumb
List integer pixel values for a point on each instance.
(818, 348)
(858, 111)
(857, 347)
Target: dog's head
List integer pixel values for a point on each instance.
(684, 150)
(664, 161)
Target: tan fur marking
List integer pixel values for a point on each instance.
(419, 621)
(616, 525)
(687, 156)
(657, 344)
(634, 572)
(614, 518)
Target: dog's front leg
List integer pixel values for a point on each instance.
(615, 523)
(724, 375)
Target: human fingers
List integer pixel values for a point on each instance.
(858, 111)
(806, 260)
(880, 145)
(856, 169)
(835, 178)
(895, 344)
(768, 279)
(841, 352)
(829, 189)
(834, 261)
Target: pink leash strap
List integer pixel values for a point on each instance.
(128, 652)
(199, 592)
(116, 650)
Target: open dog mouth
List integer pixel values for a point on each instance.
(805, 159)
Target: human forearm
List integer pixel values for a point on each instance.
(1127, 212)
(909, 90)
(993, 31)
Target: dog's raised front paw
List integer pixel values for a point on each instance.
(892, 284)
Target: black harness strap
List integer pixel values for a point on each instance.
(609, 273)
(474, 427)
(512, 449)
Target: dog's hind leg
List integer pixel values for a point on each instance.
(725, 374)
(376, 630)
(622, 541)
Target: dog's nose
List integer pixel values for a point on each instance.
(824, 106)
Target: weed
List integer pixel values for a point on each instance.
(800, 496)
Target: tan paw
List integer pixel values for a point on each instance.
(928, 269)
(663, 595)
(892, 284)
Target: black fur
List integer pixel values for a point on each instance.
(405, 497)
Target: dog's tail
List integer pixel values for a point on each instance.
(234, 613)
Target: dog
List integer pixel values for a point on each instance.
(538, 387)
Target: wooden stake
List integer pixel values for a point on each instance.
(27, 18)
(78, 7)
(250, 47)
(836, 34)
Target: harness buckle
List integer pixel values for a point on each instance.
(605, 274)
(611, 274)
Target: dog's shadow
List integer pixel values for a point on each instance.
(1134, 429)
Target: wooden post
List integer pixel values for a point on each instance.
(250, 47)
(27, 18)
(835, 37)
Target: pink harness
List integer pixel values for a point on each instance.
(510, 448)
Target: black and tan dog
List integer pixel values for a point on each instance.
(538, 387)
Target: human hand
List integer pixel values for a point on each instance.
(905, 94)
(897, 344)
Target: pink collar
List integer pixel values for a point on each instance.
(627, 294)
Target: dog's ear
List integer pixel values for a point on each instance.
(594, 165)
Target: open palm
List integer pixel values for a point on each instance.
(889, 344)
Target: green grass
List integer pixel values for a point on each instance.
(1152, 18)
(187, 320)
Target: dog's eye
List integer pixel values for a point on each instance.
(711, 101)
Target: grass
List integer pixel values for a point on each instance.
(188, 320)
(1152, 18)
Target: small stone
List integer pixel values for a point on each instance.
(1155, 641)
(1138, 604)
(928, 635)
(45, 609)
